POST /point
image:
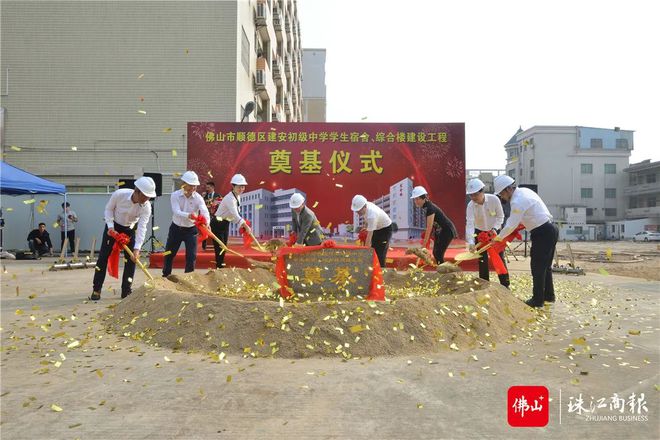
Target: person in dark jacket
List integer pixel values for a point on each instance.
(305, 225)
(39, 241)
(437, 223)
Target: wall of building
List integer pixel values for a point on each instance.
(82, 73)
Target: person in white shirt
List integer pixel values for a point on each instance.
(378, 226)
(484, 213)
(67, 220)
(227, 212)
(186, 204)
(125, 208)
(528, 208)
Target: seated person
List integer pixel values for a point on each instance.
(39, 241)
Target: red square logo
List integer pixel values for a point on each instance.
(528, 406)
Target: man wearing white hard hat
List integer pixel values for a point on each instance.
(378, 226)
(227, 212)
(528, 208)
(187, 204)
(437, 223)
(305, 225)
(126, 208)
(484, 213)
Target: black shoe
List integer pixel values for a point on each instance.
(125, 294)
(530, 302)
(95, 296)
(549, 298)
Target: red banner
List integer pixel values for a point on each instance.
(331, 162)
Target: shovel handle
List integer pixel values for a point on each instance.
(221, 244)
(138, 262)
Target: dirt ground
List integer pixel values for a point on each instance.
(627, 258)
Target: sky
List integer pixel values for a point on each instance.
(494, 65)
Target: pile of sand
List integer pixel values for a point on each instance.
(238, 311)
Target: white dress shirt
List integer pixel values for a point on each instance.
(484, 217)
(526, 208)
(376, 218)
(228, 209)
(183, 206)
(121, 209)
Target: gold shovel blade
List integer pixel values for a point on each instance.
(465, 256)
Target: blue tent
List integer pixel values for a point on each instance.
(15, 181)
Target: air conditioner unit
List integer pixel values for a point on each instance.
(260, 79)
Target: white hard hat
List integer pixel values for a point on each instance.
(190, 177)
(502, 182)
(358, 202)
(296, 201)
(418, 191)
(238, 179)
(147, 186)
(474, 186)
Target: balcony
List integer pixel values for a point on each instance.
(651, 211)
(644, 188)
(277, 21)
(288, 106)
(287, 66)
(277, 72)
(262, 13)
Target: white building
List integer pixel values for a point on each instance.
(268, 212)
(98, 91)
(573, 167)
(313, 85)
(397, 204)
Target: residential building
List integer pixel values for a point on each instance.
(313, 85)
(573, 167)
(268, 212)
(99, 91)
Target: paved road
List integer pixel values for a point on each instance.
(113, 387)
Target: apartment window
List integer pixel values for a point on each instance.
(610, 193)
(632, 203)
(531, 163)
(586, 168)
(610, 212)
(531, 174)
(651, 203)
(596, 143)
(650, 178)
(622, 143)
(578, 229)
(623, 228)
(512, 174)
(590, 212)
(586, 193)
(610, 168)
(245, 51)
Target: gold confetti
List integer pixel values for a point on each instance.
(603, 271)
(15, 148)
(258, 206)
(179, 379)
(339, 185)
(420, 406)
(75, 425)
(155, 228)
(634, 332)
(167, 359)
(174, 153)
(99, 373)
(55, 408)
(142, 112)
(74, 148)
(29, 202)
(453, 346)
(167, 253)
(229, 378)
(140, 76)
(18, 312)
(315, 204)
(73, 344)
(167, 130)
(10, 209)
(262, 182)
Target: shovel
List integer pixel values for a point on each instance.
(221, 244)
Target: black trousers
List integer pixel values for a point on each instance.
(380, 241)
(221, 230)
(177, 235)
(71, 235)
(102, 261)
(484, 272)
(441, 242)
(544, 241)
(38, 249)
